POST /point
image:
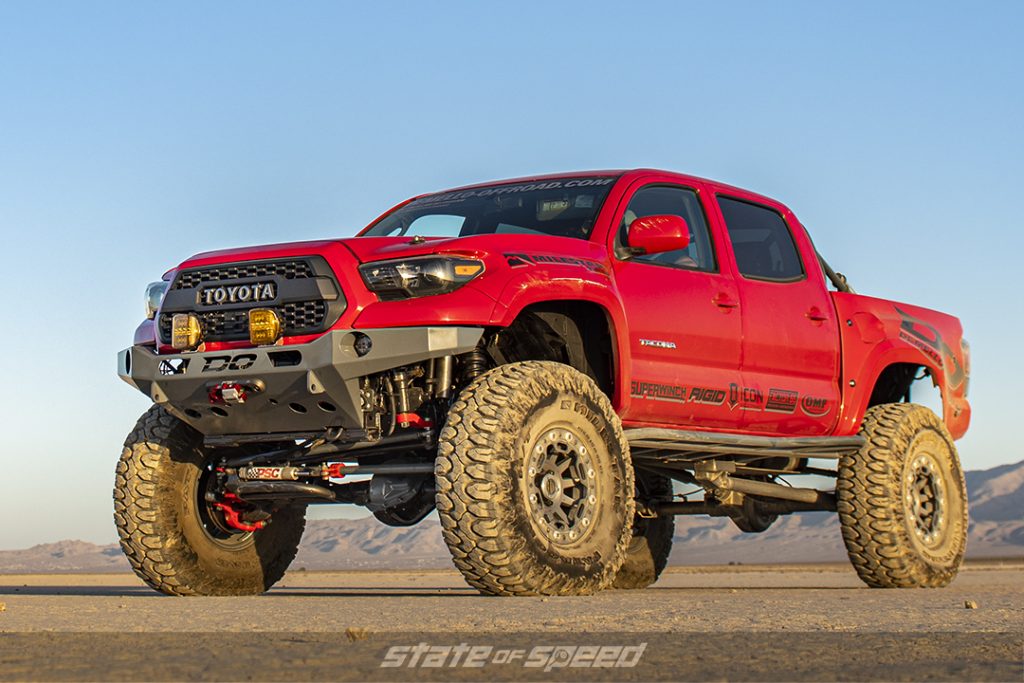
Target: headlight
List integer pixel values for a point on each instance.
(422, 276)
(154, 297)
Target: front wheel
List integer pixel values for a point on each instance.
(534, 482)
(902, 500)
(174, 539)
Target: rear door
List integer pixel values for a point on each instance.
(682, 314)
(790, 366)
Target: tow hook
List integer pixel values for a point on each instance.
(233, 515)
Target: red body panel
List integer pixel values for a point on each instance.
(701, 350)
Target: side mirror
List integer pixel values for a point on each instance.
(658, 234)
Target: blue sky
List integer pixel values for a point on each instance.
(135, 134)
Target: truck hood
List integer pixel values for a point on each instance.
(380, 248)
(364, 249)
(347, 252)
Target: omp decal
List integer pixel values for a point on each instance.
(657, 392)
(658, 343)
(521, 260)
(746, 398)
(927, 339)
(781, 401)
(815, 406)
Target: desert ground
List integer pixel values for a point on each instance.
(809, 622)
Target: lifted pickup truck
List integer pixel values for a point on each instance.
(539, 360)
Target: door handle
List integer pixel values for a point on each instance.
(725, 302)
(815, 315)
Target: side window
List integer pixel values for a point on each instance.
(656, 200)
(761, 241)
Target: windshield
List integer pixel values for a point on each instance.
(566, 207)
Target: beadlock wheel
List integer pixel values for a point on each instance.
(534, 482)
(177, 541)
(902, 500)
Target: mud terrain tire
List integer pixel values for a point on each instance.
(545, 430)
(651, 543)
(161, 526)
(902, 500)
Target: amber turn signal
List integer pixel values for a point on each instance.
(264, 326)
(186, 333)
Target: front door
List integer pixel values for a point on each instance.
(683, 317)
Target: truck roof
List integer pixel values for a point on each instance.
(622, 173)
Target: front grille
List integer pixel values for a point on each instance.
(289, 270)
(300, 306)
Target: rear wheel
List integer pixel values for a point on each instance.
(177, 541)
(648, 551)
(902, 500)
(534, 482)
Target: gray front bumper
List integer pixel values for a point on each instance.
(305, 388)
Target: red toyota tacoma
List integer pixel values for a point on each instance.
(539, 360)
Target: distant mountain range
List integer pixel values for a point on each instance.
(996, 530)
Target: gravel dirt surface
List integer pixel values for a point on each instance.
(707, 623)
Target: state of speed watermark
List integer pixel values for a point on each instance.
(545, 657)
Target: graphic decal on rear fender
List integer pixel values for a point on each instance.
(929, 341)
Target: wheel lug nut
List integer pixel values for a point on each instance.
(590, 474)
(591, 499)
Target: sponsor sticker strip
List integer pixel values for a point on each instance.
(745, 398)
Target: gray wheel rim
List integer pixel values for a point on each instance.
(924, 499)
(561, 486)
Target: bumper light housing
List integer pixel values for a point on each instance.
(186, 332)
(264, 326)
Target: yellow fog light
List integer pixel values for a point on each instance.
(264, 326)
(186, 332)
